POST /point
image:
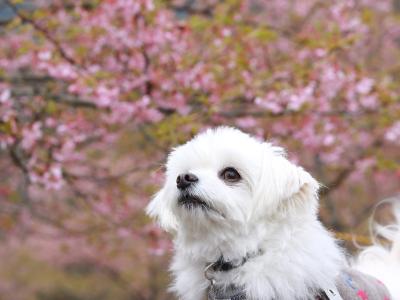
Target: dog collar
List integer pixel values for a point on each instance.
(222, 265)
(231, 292)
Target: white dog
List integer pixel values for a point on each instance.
(245, 226)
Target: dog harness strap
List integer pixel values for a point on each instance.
(330, 293)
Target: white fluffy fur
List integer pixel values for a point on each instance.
(273, 208)
(383, 262)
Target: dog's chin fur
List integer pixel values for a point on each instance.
(271, 210)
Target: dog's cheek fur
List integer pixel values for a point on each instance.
(160, 209)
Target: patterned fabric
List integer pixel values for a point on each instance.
(238, 293)
(351, 284)
(354, 285)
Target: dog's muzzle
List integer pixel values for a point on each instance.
(190, 201)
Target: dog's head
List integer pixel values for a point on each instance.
(224, 177)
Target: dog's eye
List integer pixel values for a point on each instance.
(230, 174)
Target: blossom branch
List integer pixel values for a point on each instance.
(63, 53)
(346, 172)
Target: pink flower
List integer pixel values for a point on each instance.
(5, 95)
(301, 96)
(104, 95)
(44, 55)
(320, 52)
(328, 140)
(247, 122)
(364, 86)
(30, 135)
(226, 32)
(393, 133)
(370, 101)
(269, 103)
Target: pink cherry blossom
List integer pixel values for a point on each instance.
(393, 133)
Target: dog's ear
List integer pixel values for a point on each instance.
(298, 183)
(160, 210)
(301, 186)
(285, 183)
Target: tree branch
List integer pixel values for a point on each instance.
(17, 160)
(43, 31)
(346, 172)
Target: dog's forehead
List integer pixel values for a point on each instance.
(216, 148)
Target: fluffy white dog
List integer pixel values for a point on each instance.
(245, 226)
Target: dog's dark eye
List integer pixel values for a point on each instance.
(230, 175)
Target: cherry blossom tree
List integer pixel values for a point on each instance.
(94, 93)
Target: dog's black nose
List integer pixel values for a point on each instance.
(183, 181)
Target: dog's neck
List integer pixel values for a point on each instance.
(209, 244)
(297, 259)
